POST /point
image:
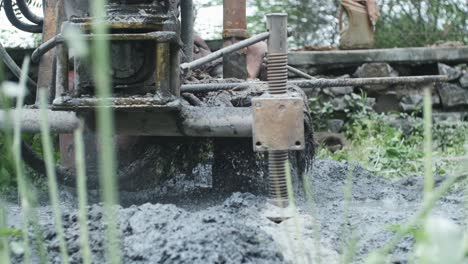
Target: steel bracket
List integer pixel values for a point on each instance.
(278, 122)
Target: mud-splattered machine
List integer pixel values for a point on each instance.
(151, 43)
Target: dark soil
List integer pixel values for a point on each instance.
(185, 221)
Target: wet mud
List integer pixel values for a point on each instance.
(186, 221)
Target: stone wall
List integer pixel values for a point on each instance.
(449, 100)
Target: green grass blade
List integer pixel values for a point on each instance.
(309, 195)
(105, 127)
(292, 205)
(428, 178)
(82, 195)
(16, 149)
(4, 247)
(418, 218)
(347, 248)
(51, 175)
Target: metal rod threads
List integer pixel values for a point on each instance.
(277, 73)
(278, 189)
(277, 80)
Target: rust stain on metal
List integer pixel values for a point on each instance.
(278, 123)
(163, 62)
(50, 29)
(234, 14)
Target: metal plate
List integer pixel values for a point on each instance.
(278, 123)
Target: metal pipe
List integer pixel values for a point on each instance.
(59, 121)
(217, 121)
(277, 74)
(317, 83)
(189, 121)
(14, 68)
(219, 53)
(28, 14)
(46, 47)
(234, 30)
(10, 13)
(187, 16)
(300, 73)
(61, 76)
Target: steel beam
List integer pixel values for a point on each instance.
(396, 56)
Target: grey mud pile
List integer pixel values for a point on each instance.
(233, 228)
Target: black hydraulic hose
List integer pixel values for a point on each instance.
(45, 47)
(28, 14)
(14, 68)
(10, 13)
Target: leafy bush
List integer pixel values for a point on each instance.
(389, 151)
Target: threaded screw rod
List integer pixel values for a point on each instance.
(277, 80)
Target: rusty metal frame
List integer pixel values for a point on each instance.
(166, 44)
(235, 30)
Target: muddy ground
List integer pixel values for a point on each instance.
(187, 222)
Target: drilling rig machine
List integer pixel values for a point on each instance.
(157, 128)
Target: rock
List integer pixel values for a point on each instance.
(368, 70)
(447, 44)
(447, 117)
(405, 124)
(452, 73)
(332, 141)
(339, 104)
(464, 80)
(387, 102)
(452, 95)
(339, 90)
(435, 99)
(335, 125)
(345, 76)
(411, 102)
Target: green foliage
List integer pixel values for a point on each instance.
(387, 150)
(406, 23)
(312, 22)
(403, 23)
(7, 176)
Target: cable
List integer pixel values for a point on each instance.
(27, 13)
(45, 47)
(10, 13)
(14, 68)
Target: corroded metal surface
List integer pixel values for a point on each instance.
(315, 83)
(234, 30)
(50, 30)
(278, 123)
(128, 102)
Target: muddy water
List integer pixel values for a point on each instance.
(187, 222)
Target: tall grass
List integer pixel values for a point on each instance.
(309, 197)
(4, 247)
(348, 247)
(105, 127)
(51, 175)
(297, 226)
(82, 194)
(427, 112)
(431, 195)
(16, 149)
